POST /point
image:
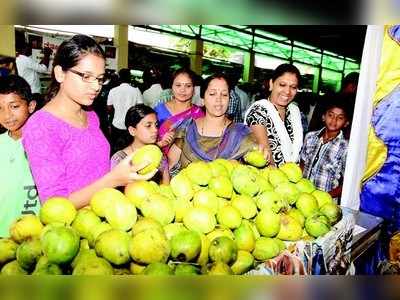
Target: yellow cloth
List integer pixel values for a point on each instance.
(388, 78)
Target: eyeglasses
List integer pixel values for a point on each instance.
(86, 77)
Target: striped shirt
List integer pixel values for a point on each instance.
(324, 163)
(234, 111)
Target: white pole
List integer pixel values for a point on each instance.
(357, 151)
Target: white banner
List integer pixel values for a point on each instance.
(357, 152)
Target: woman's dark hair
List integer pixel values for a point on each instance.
(136, 113)
(17, 85)
(286, 68)
(68, 55)
(207, 81)
(187, 71)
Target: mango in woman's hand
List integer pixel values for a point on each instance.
(148, 153)
(255, 158)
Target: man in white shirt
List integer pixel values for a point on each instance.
(196, 99)
(119, 100)
(151, 96)
(30, 69)
(152, 82)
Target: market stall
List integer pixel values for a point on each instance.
(239, 231)
(220, 217)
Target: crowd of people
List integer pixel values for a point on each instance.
(83, 137)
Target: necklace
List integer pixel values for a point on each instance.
(222, 130)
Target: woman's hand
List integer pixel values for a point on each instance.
(125, 172)
(167, 139)
(134, 175)
(266, 151)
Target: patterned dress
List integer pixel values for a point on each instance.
(258, 115)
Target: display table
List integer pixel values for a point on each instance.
(366, 232)
(333, 253)
(328, 254)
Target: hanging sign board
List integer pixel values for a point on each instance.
(53, 42)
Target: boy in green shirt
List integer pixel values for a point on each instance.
(18, 194)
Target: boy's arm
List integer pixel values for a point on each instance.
(337, 192)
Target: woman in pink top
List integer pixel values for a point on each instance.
(67, 152)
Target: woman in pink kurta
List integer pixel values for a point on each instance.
(64, 158)
(67, 152)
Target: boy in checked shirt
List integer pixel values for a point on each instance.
(323, 156)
